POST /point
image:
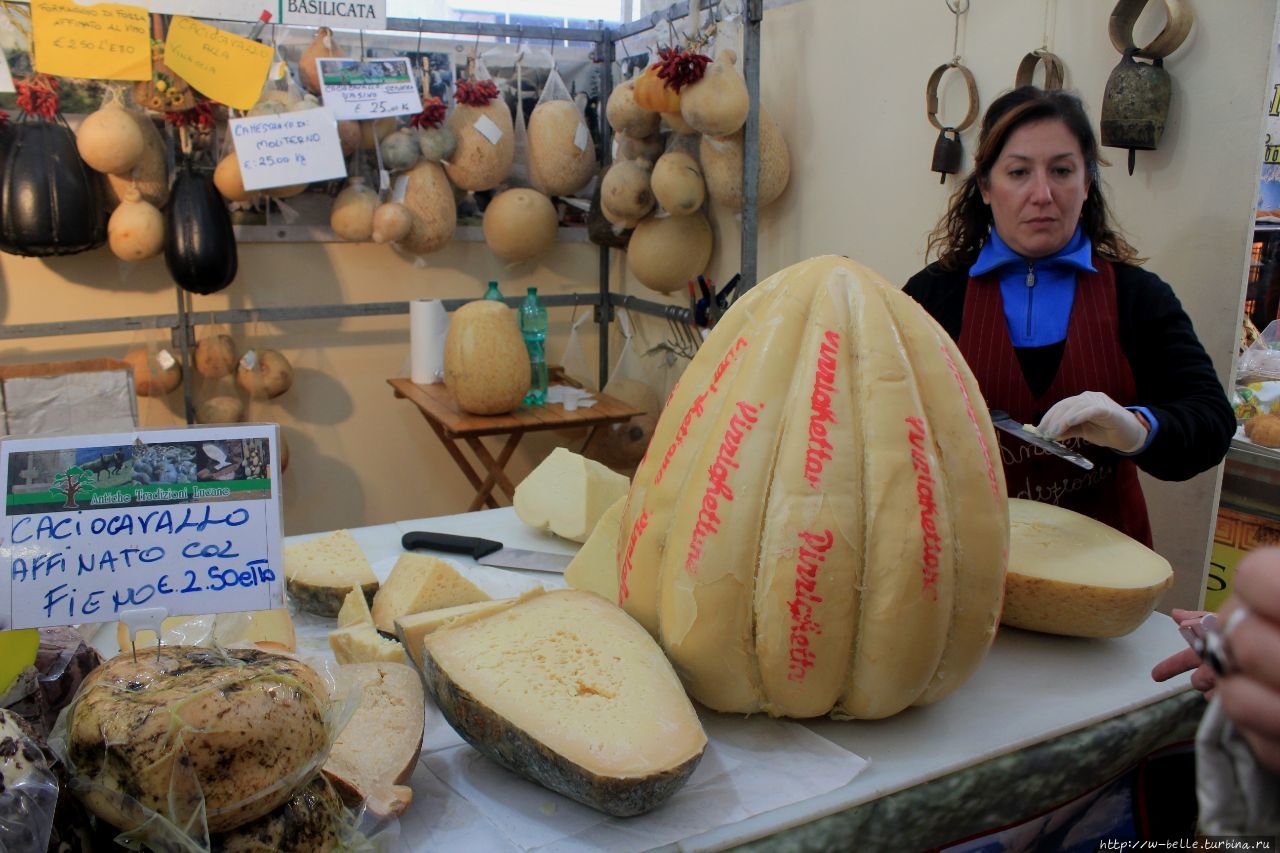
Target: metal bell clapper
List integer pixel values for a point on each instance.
(1135, 106)
(947, 153)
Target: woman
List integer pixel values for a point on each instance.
(1060, 325)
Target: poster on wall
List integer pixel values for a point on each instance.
(340, 14)
(1269, 184)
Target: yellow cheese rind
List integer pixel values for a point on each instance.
(567, 494)
(595, 566)
(1070, 574)
(363, 644)
(567, 690)
(419, 583)
(271, 630)
(354, 610)
(320, 572)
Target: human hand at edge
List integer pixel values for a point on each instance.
(1250, 690)
(1097, 419)
(1203, 677)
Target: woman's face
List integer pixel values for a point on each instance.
(1037, 188)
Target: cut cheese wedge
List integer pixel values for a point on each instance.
(355, 609)
(363, 644)
(567, 494)
(376, 751)
(270, 630)
(595, 566)
(419, 583)
(568, 691)
(414, 628)
(1070, 574)
(321, 571)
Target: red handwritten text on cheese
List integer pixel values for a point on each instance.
(718, 487)
(697, 407)
(931, 548)
(824, 388)
(636, 529)
(973, 419)
(813, 552)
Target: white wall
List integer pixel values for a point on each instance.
(846, 80)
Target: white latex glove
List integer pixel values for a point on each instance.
(1097, 419)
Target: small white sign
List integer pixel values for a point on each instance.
(289, 148)
(185, 520)
(368, 88)
(581, 137)
(490, 131)
(6, 76)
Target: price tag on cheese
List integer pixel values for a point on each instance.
(186, 520)
(288, 148)
(225, 67)
(368, 88)
(106, 41)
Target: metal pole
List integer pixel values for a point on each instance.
(604, 310)
(751, 144)
(183, 333)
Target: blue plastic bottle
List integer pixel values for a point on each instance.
(533, 325)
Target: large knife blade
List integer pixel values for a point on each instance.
(1001, 420)
(486, 552)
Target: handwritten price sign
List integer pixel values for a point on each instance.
(371, 88)
(97, 526)
(225, 67)
(107, 41)
(287, 149)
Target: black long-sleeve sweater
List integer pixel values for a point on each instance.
(1173, 374)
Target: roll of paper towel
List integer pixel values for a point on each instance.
(428, 325)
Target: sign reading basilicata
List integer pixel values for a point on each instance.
(187, 520)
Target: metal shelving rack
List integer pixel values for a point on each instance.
(182, 323)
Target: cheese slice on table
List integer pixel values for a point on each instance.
(568, 691)
(418, 583)
(412, 629)
(376, 751)
(321, 571)
(567, 494)
(354, 610)
(271, 630)
(595, 566)
(1069, 574)
(363, 644)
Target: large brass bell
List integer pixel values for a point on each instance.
(1136, 105)
(947, 153)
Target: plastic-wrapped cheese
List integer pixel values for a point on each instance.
(1069, 574)
(567, 494)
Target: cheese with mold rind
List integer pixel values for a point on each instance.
(320, 572)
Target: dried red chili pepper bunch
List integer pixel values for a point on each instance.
(201, 116)
(432, 115)
(38, 95)
(680, 68)
(476, 93)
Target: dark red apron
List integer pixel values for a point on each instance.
(1092, 360)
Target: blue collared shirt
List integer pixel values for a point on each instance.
(1038, 295)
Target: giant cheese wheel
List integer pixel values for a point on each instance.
(820, 524)
(486, 365)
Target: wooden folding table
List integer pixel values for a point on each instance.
(453, 425)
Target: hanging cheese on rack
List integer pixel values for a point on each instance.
(665, 253)
(150, 174)
(562, 154)
(429, 198)
(484, 134)
(200, 246)
(520, 224)
(628, 117)
(721, 158)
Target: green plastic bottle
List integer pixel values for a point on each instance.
(493, 292)
(533, 325)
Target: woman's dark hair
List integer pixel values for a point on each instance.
(963, 229)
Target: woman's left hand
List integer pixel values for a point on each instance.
(1097, 419)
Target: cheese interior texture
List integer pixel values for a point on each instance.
(355, 609)
(419, 583)
(334, 559)
(363, 644)
(595, 566)
(578, 675)
(567, 494)
(414, 628)
(1057, 544)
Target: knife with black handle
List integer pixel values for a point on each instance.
(486, 552)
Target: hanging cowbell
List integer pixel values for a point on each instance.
(200, 245)
(1135, 106)
(1136, 103)
(51, 203)
(947, 153)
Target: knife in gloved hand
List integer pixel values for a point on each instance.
(487, 552)
(1001, 420)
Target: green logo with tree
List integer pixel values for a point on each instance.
(71, 483)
